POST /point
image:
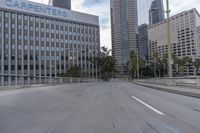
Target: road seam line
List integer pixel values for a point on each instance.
(150, 107)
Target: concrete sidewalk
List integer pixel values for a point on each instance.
(183, 90)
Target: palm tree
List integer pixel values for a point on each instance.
(165, 62)
(197, 65)
(155, 60)
(188, 61)
(184, 62)
(175, 62)
(181, 66)
(142, 64)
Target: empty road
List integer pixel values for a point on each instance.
(103, 107)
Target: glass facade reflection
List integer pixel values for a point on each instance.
(156, 12)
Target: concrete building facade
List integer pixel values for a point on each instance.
(185, 29)
(156, 12)
(124, 23)
(40, 41)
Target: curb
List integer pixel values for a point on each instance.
(194, 95)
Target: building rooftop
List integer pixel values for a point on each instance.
(174, 16)
(48, 11)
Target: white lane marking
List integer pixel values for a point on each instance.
(150, 107)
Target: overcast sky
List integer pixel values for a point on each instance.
(102, 9)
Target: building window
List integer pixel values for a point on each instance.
(19, 47)
(13, 57)
(25, 67)
(12, 67)
(6, 67)
(25, 47)
(13, 46)
(19, 67)
(6, 36)
(31, 67)
(25, 57)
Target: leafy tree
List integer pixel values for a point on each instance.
(197, 65)
(73, 71)
(133, 64)
(105, 63)
(181, 65)
(147, 71)
(142, 64)
(188, 61)
(175, 63)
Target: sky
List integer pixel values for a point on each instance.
(101, 8)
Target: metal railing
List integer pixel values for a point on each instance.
(30, 80)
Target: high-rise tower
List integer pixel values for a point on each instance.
(156, 12)
(124, 23)
(66, 4)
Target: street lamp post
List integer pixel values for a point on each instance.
(170, 61)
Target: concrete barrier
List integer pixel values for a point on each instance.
(180, 81)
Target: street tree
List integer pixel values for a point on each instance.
(175, 63)
(188, 61)
(197, 65)
(165, 63)
(181, 66)
(155, 61)
(73, 71)
(105, 63)
(133, 64)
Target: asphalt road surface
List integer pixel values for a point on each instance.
(103, 107)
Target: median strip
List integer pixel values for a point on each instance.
(150, 107)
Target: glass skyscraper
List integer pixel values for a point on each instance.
(124, 23)
(156, 12)
(143, 41)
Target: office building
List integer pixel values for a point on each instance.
(124, 30)
(40, 41)
(143, 41)
(66, 4)
(156, 12)
(185, 30)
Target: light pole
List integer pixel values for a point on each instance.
(170, 61)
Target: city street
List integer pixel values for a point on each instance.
(100, 107)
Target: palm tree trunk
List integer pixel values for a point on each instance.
(155, 69)
(177, 70)
(164, 70)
